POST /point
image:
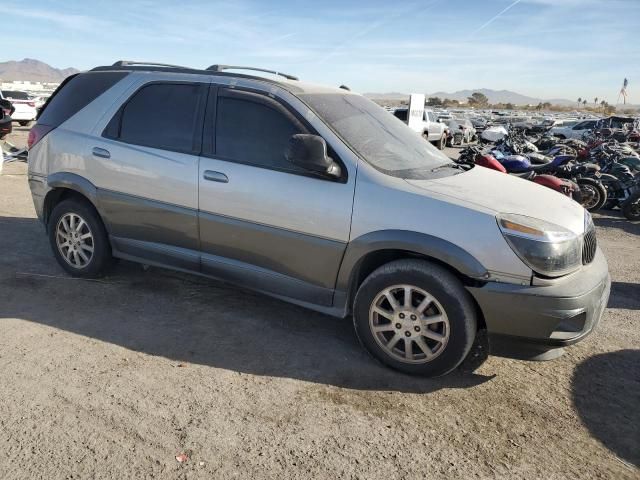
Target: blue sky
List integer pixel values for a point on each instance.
(543, 48)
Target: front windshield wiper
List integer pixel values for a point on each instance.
(446, 165)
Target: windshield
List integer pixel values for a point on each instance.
(15, 95)
(377, 136)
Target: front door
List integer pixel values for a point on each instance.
(264, 222)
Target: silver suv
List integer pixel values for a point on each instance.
(317, 196)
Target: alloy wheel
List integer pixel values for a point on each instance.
(74, 240)
(409, 324)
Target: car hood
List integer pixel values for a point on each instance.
(503, 193)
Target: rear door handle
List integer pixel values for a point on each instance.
(101, 152)
(215, 176)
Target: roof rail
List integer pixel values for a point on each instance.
(130, 63)
(220, 68)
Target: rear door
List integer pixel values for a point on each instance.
(145, 166)
(264, 222)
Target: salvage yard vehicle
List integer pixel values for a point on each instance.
(25, 108)
(430, 128)
(573, 131)
(317, 196)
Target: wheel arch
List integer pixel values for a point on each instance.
(370, 251)
(64, 185)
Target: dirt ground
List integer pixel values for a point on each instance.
(112, 379)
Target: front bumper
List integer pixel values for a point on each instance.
(535, 322)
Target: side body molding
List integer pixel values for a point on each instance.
(420, 243)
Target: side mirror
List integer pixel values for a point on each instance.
(310, 152)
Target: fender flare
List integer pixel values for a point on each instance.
(69, 181)
(75, 182)
(420, 243)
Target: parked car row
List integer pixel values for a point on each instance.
(25, 106)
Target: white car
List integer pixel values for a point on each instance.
(431, 129)
(25, 112)
(573, 130)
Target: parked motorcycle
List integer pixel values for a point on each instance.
(474, 155)
(631, 207)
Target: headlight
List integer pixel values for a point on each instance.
(548, 249)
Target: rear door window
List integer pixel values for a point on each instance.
(166, 116)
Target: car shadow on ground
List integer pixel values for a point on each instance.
(191, 319)
(606, 393)
(615, 219)
(625, 295)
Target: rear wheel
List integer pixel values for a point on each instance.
(78, 239)
(631, 208)
(416, 317)
(440, 144)
(594, 195)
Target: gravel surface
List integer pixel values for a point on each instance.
(115, 378)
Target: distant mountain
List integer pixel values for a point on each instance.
(33, 70)
(494, 96)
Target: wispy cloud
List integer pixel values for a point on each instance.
(64, 20)
(495, 17)
(546, 48)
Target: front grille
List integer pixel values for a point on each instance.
(589, 246)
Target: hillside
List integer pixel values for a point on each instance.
(33, 70)
(494, 96)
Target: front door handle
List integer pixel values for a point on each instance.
(215, 176)
(101, 152)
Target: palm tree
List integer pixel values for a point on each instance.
(579, 100)
(584, 102)
(595, 101)
(604, 106)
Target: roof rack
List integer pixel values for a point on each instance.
(131, 63)
(220, 68)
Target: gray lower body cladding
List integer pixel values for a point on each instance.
(528, 321)
(265, 258)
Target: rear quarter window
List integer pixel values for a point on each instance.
(75, 93)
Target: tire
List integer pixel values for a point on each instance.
(24, 123)
(451, 314)
(71, 250)
(631, 207)
(440, 144)
(594, 195)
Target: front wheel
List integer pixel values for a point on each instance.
(440, 144)
(631, 207)
(594, 195)
(416, 317)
